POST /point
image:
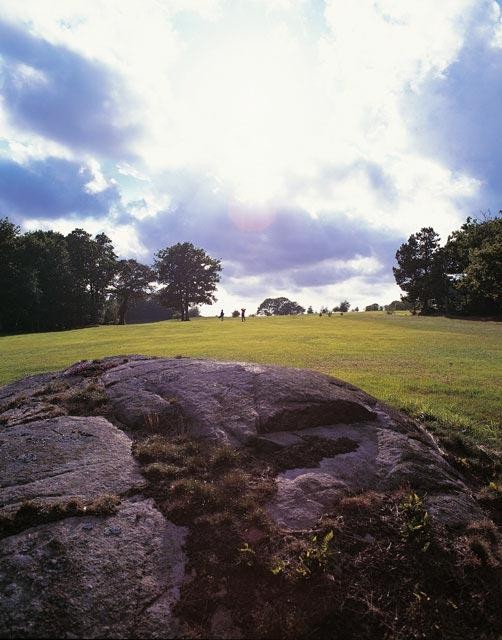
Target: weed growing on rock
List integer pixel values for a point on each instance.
(87, 398)
(416, 525)
(32, 513)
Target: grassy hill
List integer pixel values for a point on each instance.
(446, 371)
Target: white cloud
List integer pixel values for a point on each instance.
(278, 113)
(148, 205)
(126, 169)
(99, 182)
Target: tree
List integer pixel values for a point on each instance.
(10, 275)
(473, 256)
(420, 271)
(236, 313)
(310, 311)
(130, 284)
(343, 306)
(373, 307)
(93, 263)
(190, 277)
(46, 264)
(279, 307)
(397, 305)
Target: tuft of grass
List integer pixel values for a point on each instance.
(85, 399)
(158, 448)
(162, 471)
(223, 457)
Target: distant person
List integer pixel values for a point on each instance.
(222, 315)
(243, 315)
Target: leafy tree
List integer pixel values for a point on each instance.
(194, 312)
(10, 275)
(343, 306)
(45, 260)
(93, 263)
(190, 277)
(420, 271)
(236, 313)
(103, 267)
(373, 307)
(132, 282)
(279, 307)
(310, 311)
(473, 256)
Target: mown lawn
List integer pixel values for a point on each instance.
(450, 370)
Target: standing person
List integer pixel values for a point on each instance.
(222, 315)
(243, 315)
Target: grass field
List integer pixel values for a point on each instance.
(447, 370)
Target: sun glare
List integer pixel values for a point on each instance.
(245, 110)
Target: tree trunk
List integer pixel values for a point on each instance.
(122, 311)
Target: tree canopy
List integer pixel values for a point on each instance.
(419, 271)
(49, 281)
(279, 307)
(464, 276)
(189, 276)
(132, 282)
(473, 257)
(343, 307)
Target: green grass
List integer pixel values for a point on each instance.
(447, 369)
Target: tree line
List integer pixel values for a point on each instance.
(50, 281)
(462, 277)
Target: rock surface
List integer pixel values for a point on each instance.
(91, 577)
(66, 457)
(119, 575)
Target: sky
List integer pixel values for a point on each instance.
(299, 141)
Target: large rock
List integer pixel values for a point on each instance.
(119, 575)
